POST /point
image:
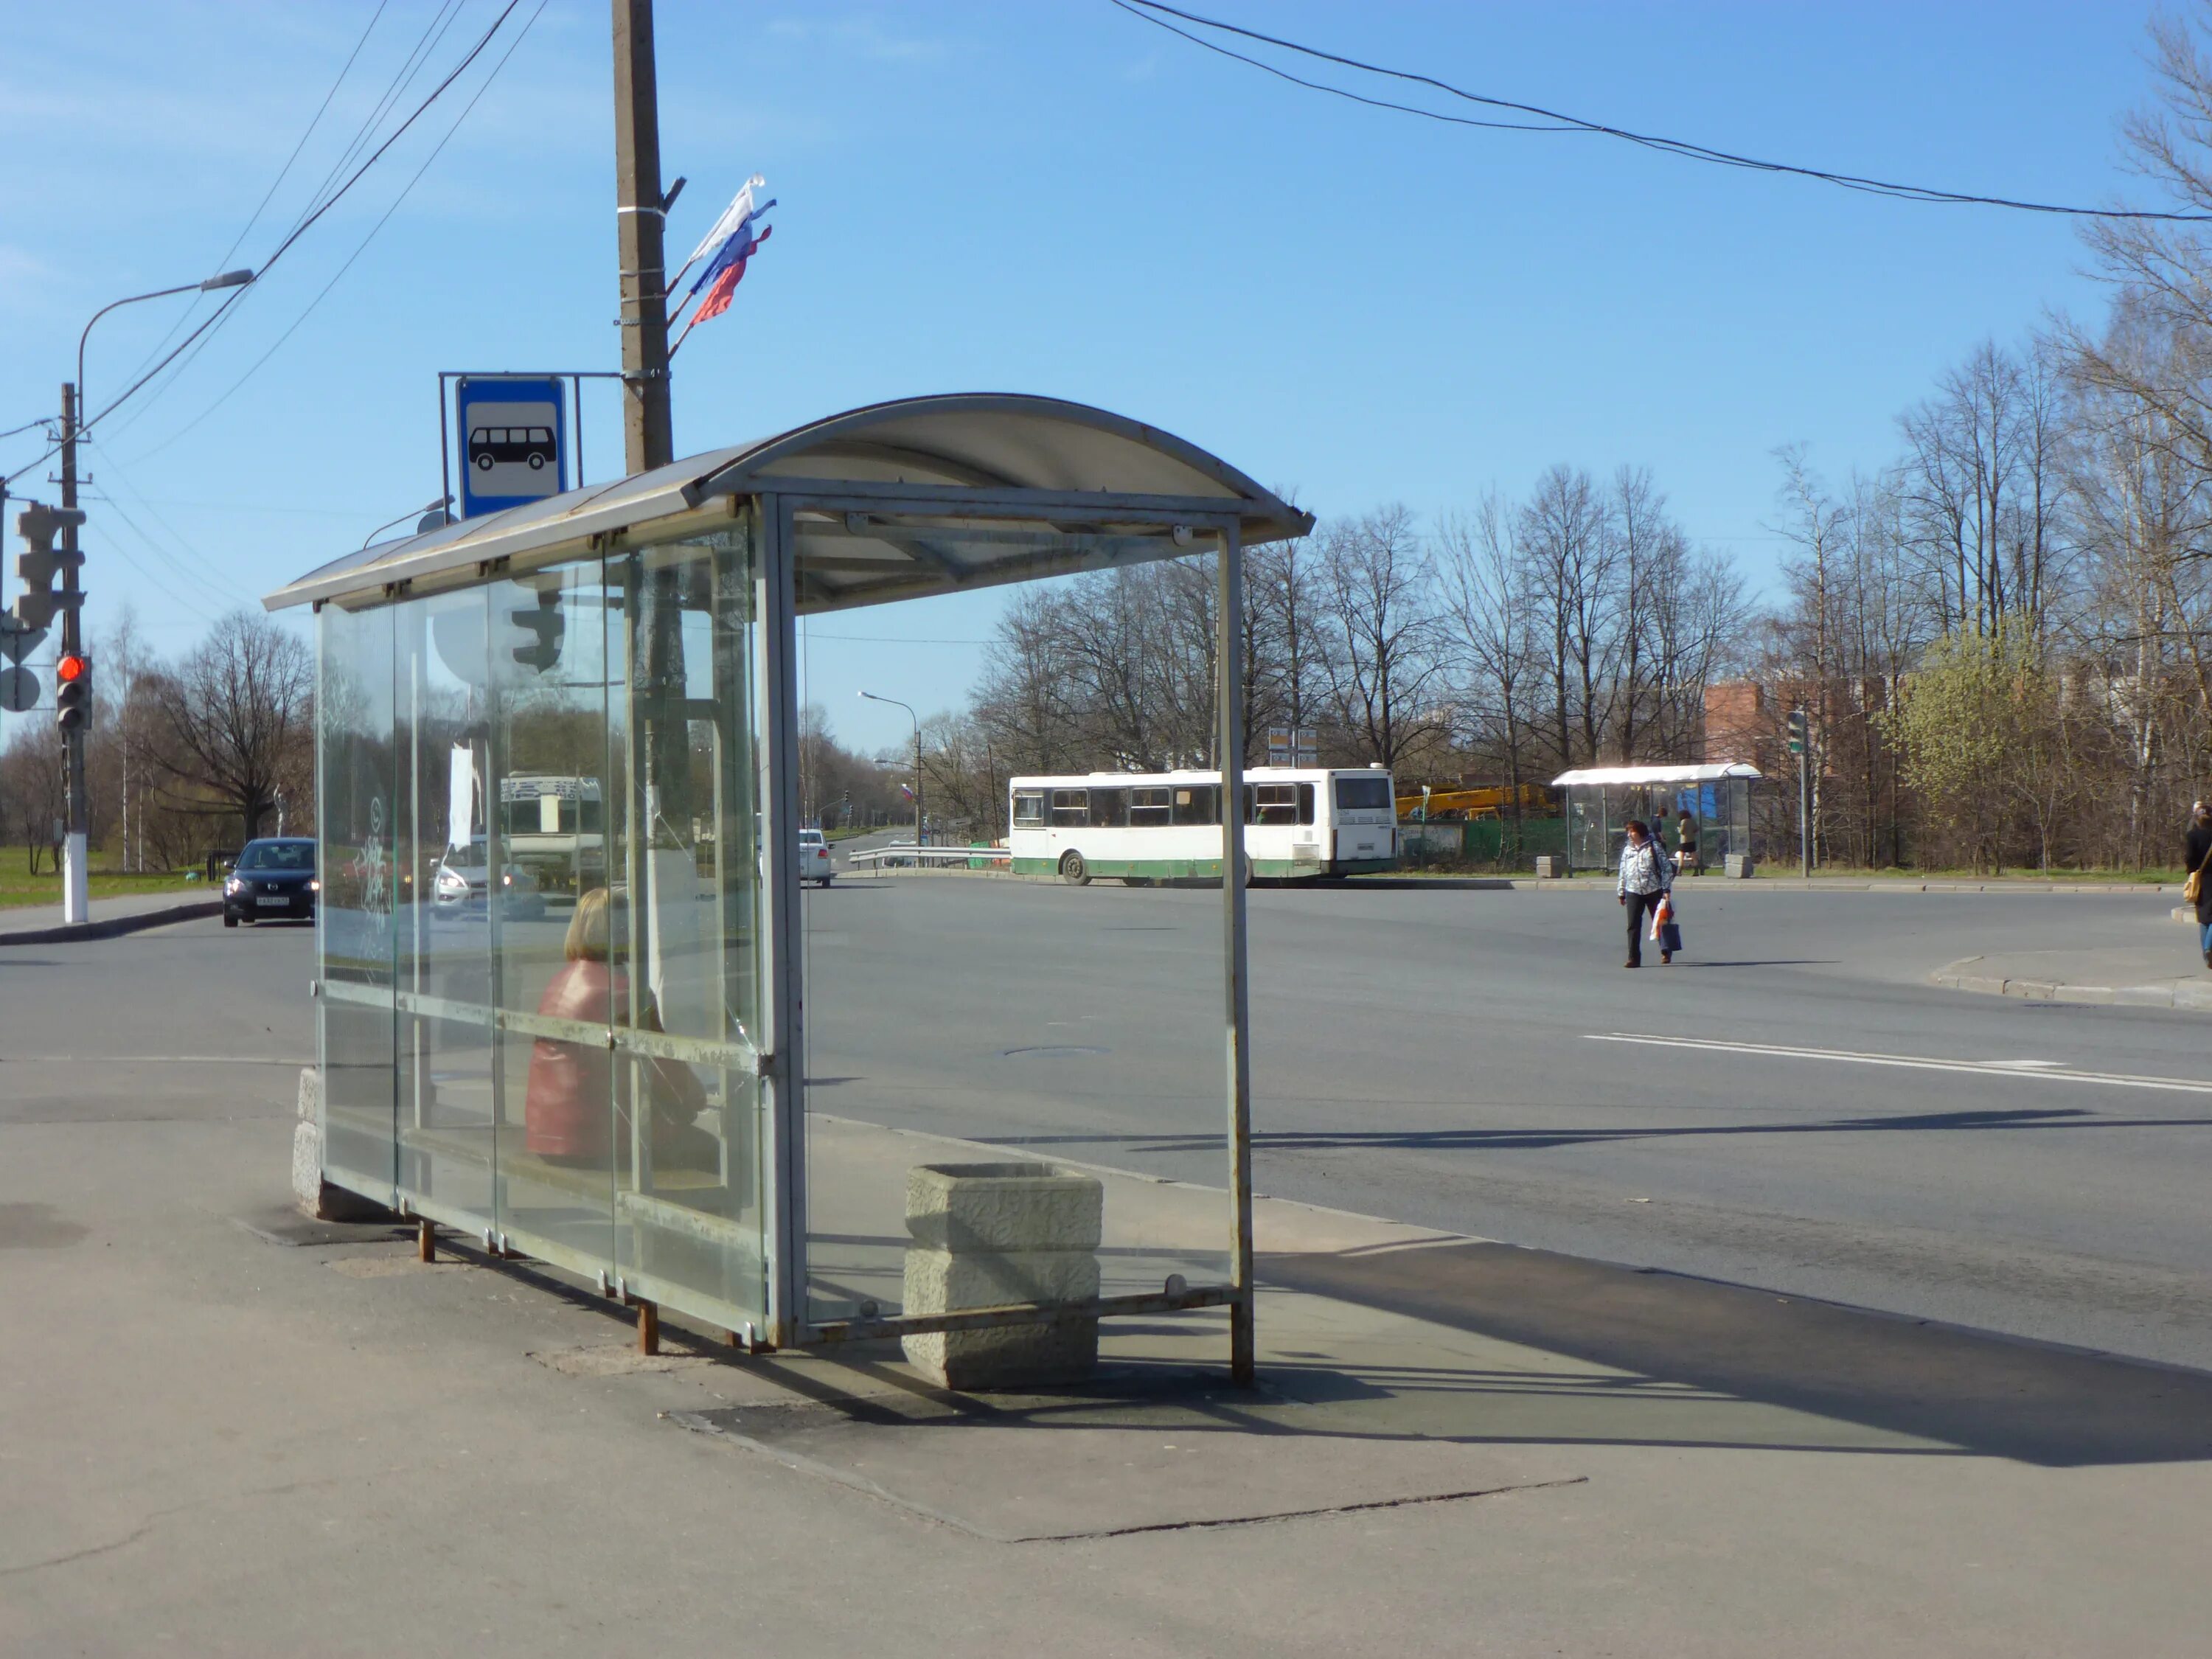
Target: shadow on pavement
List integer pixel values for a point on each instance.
(1982, 1393)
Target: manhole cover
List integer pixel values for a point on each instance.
(1049, 1051)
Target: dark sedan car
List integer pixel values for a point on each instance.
(273, 878)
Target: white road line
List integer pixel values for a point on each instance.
(2005, 1068)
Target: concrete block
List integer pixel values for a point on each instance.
(1551, 867)
(315, 1196)
(985, 1235)
(1737, 865)
(1002, 1207)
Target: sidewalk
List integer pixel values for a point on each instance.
(2169, 976)
(42, 924)
(229, 1432)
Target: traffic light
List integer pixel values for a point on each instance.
(72, 691)
(546, 620)
(1796, 731)
(41, 562)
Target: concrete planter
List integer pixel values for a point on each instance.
(1550, 867)
(988, 1234)
(316, 1196)
(1738, 865)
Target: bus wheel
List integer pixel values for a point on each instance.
(1073, 870)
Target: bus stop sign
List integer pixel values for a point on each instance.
(513, 439)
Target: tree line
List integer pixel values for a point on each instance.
(2001, 635)
(183, 757)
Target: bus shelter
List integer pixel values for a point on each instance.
(562, 981)
(1602, 799)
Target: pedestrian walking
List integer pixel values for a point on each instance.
(1686, 843)
(2197, 890)
(1646, 875)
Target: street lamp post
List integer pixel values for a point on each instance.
(916, 718)
(76, 906)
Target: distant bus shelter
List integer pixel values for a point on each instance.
(1602, 799)
(562, 986)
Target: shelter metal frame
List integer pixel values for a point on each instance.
(727, 486)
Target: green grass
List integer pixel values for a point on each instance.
(18, 888)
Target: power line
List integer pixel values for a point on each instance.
(308, 220)
(212, 572)
(1147, 11)
(255, 368)
(123, 553)
(282, 173)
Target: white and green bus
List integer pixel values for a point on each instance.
(1301, 823)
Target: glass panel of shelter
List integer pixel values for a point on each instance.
(685, 727)
(998, 1023)
(545, 915)
(355, 789)
(449, 1104)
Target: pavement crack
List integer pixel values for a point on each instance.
(1219, 1522)
(159, 1516)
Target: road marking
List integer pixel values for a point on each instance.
(2029, 1071)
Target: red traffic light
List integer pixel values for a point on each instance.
(71, 668)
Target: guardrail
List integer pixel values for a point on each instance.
(876, 858)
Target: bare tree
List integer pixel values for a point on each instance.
(239, 717)
(1379, 582)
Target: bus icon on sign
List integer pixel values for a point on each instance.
(510, 444)
(531, 445)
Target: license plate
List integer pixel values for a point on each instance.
(278, 898)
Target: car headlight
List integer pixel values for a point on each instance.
(234, 886)
(313, 885)
(507, 881)
(450, 883)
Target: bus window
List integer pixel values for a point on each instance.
(1110, 809)
(1199, 803)
(1305, 803)
(1370, 794)
(1029, 807)
(1271, 802)
(1071, 809)
(1150, 808)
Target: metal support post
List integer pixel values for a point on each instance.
(1805, 808)
(648, 432)
(1229, 742)
(76, 894)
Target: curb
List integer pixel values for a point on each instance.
(2162, 993)
(114, 926)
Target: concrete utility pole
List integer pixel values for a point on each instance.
(641, 213)
(76, 890)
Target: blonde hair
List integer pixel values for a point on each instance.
(591, 930)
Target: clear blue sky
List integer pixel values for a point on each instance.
(1045, 198)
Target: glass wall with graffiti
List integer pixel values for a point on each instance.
(539, 944)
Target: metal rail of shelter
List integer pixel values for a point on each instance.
(894, 501)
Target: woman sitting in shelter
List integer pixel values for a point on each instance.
(569, 1108)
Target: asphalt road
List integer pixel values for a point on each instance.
(1472, 1060)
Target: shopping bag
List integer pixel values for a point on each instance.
(1671, 937)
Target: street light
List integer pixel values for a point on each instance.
(422, 514)
(227, 279)
(76, 895)
(916, 718)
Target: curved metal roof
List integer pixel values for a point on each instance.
(940, 448)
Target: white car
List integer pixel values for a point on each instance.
(814, 864)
